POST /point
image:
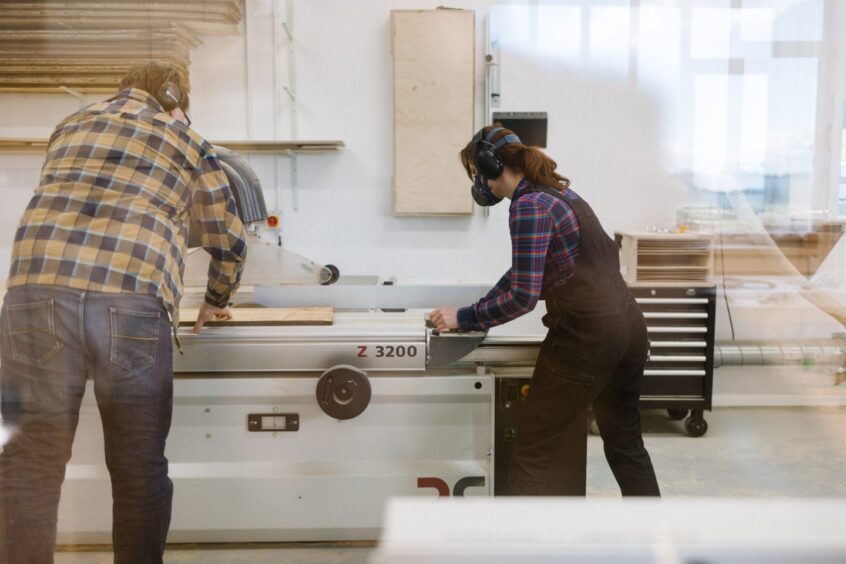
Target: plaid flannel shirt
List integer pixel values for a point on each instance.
(544, 248)
(119, 184)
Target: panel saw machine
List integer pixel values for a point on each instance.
(302, 433)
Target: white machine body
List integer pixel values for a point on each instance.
(306, 476)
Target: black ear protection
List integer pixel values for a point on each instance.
(488, 162)
(169, 93)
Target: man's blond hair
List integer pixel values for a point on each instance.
(162, 81)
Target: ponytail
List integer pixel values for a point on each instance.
(535, 165)
(538, 168)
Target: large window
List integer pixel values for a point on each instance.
(736, 84)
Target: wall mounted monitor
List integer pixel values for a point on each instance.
(530, 127)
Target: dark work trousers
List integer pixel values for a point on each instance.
(53, 339)
(594, 353)
(602, 367)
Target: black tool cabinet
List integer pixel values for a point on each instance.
(679, 375)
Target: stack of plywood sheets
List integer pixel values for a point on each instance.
(88, 46)
(433, 109)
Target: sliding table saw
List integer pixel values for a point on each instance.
(303, 432)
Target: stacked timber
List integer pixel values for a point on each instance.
(88, 45)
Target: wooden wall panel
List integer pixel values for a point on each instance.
(433, 109)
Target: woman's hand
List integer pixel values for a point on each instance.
(444, 318)
(210, 313)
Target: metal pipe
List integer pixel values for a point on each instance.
(773, 353)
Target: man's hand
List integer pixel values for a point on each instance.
(210, 313)
(444, 318)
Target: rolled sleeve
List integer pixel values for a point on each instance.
(222, 234)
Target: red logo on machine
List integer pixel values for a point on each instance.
(443, 488)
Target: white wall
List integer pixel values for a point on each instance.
(344, 85)
(602, 134)
(344, 91)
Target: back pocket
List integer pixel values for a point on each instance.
(564, 362)
(32, 332)
(135, 337)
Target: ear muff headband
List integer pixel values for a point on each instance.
(491, 134)
(488, 162)
(477, 137)
(505, 140)
(169, 91)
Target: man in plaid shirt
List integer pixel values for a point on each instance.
(93, 291)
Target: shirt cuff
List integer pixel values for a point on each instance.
(467, 319)
(216, 300)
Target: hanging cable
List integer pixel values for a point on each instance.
(723, 268)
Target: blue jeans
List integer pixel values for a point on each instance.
(53, 339)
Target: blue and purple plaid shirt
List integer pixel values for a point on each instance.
(544, 238)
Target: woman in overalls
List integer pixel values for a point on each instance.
(596, 347)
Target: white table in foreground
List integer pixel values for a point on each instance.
(560, 530)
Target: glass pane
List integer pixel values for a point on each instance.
(710, 33)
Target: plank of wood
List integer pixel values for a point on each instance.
(54, 90)
(27, 36)
(280, 146)
(124, 61)
(266, 316)
(198, 26)
(47, 10)
(433, 109)
(21, 145)
(61, 80)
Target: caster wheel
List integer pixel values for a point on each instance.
(695, 426)
(677, 414)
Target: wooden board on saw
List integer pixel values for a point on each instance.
(434, 51)
(266, 316)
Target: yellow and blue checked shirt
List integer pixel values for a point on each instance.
(119, 184)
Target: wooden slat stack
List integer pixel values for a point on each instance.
(666, 259)
(88, 46)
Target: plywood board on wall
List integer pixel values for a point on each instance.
(433, 109)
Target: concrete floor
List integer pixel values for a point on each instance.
(747, 452)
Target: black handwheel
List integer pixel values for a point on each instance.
(677, 414)
(343, 392)
(696, 426)
(335, 274)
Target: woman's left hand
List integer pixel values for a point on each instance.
(444, 318)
